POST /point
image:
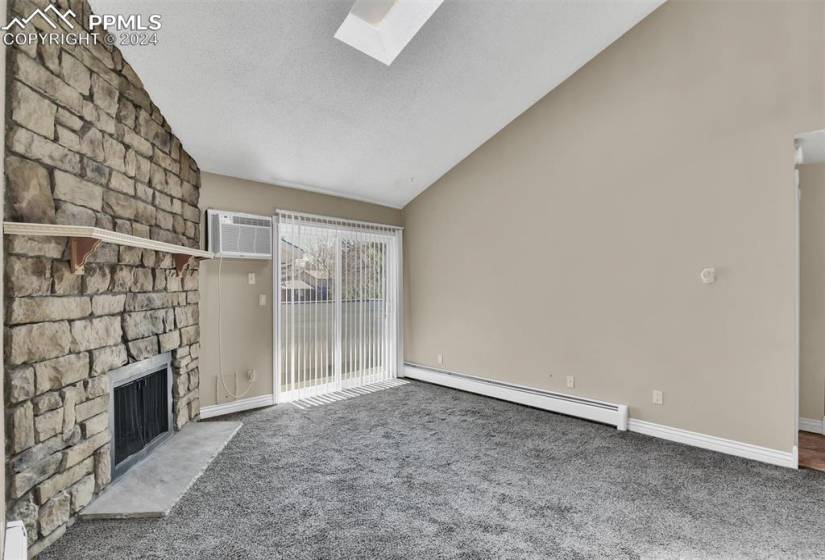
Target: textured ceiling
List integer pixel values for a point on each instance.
(261, 90)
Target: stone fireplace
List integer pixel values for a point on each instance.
(87, 146)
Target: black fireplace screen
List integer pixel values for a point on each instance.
(140, 413)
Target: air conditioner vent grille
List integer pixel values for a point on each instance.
(247, 221)
(236, 235)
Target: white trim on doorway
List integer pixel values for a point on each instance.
(797, 271)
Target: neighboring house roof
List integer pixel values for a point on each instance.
(318, 274)
(295, 285)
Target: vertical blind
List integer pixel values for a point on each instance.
(338, 304)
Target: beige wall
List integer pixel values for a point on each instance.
(247, 327)
(571, 242)
(812, 295)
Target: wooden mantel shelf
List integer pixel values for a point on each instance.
(85, 239)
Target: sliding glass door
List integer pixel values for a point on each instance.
(337, 305)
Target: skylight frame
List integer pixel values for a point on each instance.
(395, 23)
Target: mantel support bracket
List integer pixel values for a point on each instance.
(79, 250)
(181, 262)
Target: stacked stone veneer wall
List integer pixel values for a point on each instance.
(86, 146)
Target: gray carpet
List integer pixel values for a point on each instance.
(420, 471)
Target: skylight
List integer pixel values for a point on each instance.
(382, 28)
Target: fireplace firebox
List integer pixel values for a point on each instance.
(140, 410)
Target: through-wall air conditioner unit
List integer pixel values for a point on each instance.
(234, 235)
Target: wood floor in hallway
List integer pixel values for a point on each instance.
(812, 451)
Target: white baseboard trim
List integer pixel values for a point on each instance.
(557, 402)
(237, 406)
(598, 411)
(713, 443)
(812, 425)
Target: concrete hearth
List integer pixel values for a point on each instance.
(152, 487)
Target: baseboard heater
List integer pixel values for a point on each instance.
(597, 411)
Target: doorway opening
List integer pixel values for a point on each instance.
(810, 181)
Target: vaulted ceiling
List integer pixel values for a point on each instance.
(262, 90)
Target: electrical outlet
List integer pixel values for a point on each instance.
(262, 300)
(250, 375)
(571, 382)
(658, 397)
(251, 278)
(440, 359)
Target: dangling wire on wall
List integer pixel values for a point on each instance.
(220, 342)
